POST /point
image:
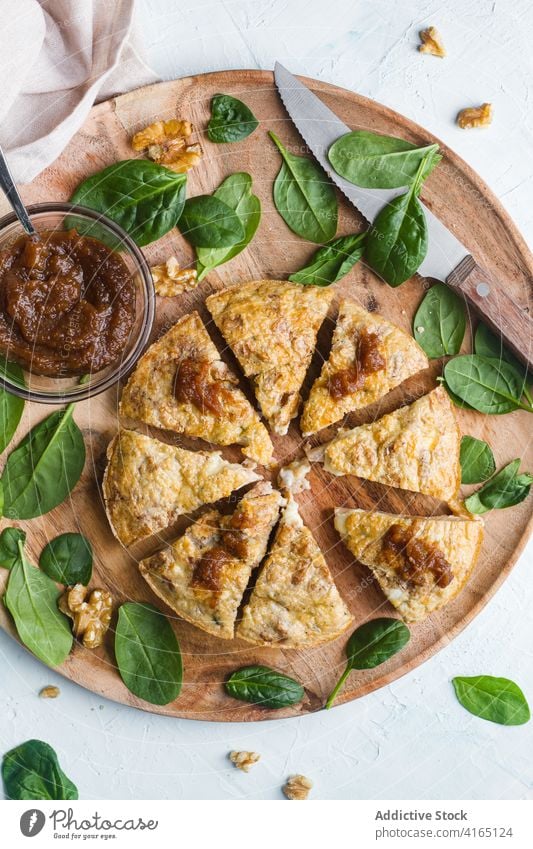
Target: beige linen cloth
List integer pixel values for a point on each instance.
(57, 58)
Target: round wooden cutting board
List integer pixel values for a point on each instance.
(467, 206)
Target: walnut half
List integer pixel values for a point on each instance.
(244, 760)
(90, 614)
(166, 142)
(431, 42)
(170, 280)
(475, 116)
(297, 787)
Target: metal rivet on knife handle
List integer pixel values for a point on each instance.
(495, 307)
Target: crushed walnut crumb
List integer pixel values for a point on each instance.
(167, 143)
(475, 116)
(49, 692)
(90, 613)
(297, 787)
(171, 280)
(431, 42)
(244, 760)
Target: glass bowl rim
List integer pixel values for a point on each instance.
(82, 391)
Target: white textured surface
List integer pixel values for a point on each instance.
(411, 740)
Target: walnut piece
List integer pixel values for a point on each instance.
(90, 614)
(166, 142)
(475, 116)
(431, 42)
(170, 279)
(49, 692)
(297, 787)
(244, 760)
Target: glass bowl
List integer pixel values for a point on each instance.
(65, 216)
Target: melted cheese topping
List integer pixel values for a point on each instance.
(293, 476)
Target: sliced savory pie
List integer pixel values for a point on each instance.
(295, 602)
(420, 563)
(414, 448)
(204, 573)
(181, 384)
(369, 357)
(148, 484)
(271, 327)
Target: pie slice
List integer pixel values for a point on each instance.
(271, 327)
(369, 357)
(181, 384)
(204, 573)
(148, 484)
(295, 602)
(414, 448)
(420, 563)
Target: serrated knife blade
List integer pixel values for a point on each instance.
(447, 258)
(320, 127)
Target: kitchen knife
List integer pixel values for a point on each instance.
(447, 258)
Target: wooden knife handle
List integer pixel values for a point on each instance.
(496, 308)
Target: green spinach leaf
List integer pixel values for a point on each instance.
(148, 654)
(477, 460)
(370, 645)
(397, 241)
(208, 222)
(9, 549)
(265, 687)
(333, 261)
(236, 192)
(11, 406)
(31, 598)
(304, 198)
(505, 489)
(231, 120)
(374, 161)
(496, 699)
(44, 467)
(440, 322)
(488, 385)
(142, 197)
(32, 771)
(487, 344)
(68, 559)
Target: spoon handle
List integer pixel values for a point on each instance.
(10, 190)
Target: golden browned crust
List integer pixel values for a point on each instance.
(457, 539)
(402, 357)
(172, 573)
(295, 603)
(271, 327)
(414, 448)
(148, 484)
(149, 394)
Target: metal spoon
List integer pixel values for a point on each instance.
(11, 192)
